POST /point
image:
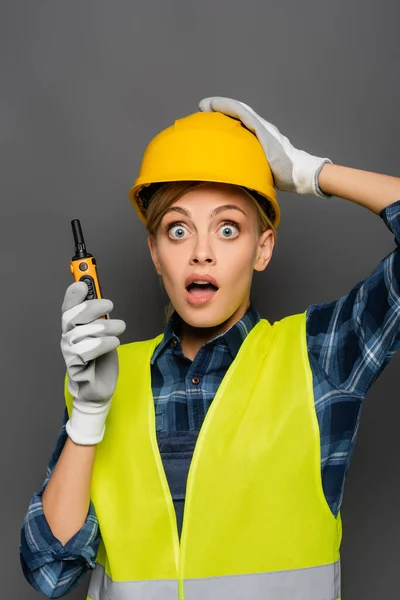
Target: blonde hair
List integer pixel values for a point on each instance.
(170, 192)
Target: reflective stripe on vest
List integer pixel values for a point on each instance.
(255, 508)
(315, 583)
(103, 588)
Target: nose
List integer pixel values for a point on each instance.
(202, 252)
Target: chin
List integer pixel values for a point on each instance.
(203, 316)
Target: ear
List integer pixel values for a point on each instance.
(264, 251)
(152, 243)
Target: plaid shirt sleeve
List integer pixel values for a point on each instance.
(350, 341)
(354, 338)
(51, 568)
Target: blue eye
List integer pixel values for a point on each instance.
(228, 225)
(180, 230)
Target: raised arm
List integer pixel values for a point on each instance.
(60, 533)
(355, 337)
(298, 171)
(371, 190)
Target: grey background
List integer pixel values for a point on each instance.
(84, 87)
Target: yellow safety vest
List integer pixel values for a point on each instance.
(256, 522)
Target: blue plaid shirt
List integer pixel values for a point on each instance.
(350, 341)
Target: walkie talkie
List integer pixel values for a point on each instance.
(83, 265)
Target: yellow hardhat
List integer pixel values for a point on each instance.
(207, 146)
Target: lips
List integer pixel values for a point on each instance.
(197, 277)
(197, 296)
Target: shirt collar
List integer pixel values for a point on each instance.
(232, 338)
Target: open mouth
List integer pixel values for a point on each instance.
(198, 289)
(200, 293)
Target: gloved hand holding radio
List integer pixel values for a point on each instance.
(293, 170)
(88, 345)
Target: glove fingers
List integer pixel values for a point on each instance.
(75, 294)
(205, 104)
(85, 312)
(90, 348)
(96, 381)
(242, 111)
(232, 108)
(97, 328)
(228, 106)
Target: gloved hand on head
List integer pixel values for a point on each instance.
(293, 170)
(88, 345)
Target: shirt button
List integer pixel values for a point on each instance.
(174, 343)
(195, 380)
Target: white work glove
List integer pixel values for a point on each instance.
(293, 170)
(88, 345)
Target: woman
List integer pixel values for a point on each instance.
(264, 414)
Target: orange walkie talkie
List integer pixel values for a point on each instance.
(83, 265)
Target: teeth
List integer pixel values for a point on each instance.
(201, 282)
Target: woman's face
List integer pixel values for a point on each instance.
(210, 231)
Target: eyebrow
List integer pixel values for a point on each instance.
(213, 213)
